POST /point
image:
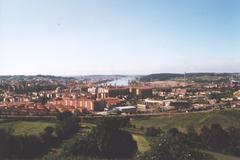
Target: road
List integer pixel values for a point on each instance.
(172, 113)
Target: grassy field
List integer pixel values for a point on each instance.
(224, 118)
(220, 156)
(143, 146)
(142, 143)
(26, 127)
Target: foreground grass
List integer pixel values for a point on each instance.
(220, 156)
(59, 154)
(142, 143)
(26, 127)
(197, 120)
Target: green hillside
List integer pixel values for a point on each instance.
(197, 77)
(220, 156)
(26, 127)
(224, 118)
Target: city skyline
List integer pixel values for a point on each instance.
(119, 37)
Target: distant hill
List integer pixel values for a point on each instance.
(35, 77)
(99, 77)
(160, 77)
(197, 77)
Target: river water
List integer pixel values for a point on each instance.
(122, 81)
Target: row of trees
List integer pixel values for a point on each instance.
(185, 146)
(169, 146)
(30, 146)
(26, 146)
(24, 89)
(219, 139)
(225, 93)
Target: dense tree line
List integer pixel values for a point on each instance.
(171, 147)
(160, 77)
(181, 105)
(218, 139)
(30, 146)
(24, 89)
(25, 146)
(176, 145)
(226, 93)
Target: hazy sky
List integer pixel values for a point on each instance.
(74, 37)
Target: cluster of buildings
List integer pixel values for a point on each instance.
(99, 97)
(43, 96)
(47, 96)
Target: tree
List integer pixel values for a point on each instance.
(64, 115)
(4, 142)
(67, 127)
(27, 146)
(205, 135)
(192, 139)
(43, 100)
(49, 130)
(49, 139)
(115, 143)
(215, 137)
(234, 135)
(107, 140)
(67, 124)
(112, 142)
(153, 132)
(113, 123)
(219, 138)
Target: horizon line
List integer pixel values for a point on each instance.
(114, 74)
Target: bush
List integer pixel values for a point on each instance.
(64, 115)
(153, 132)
